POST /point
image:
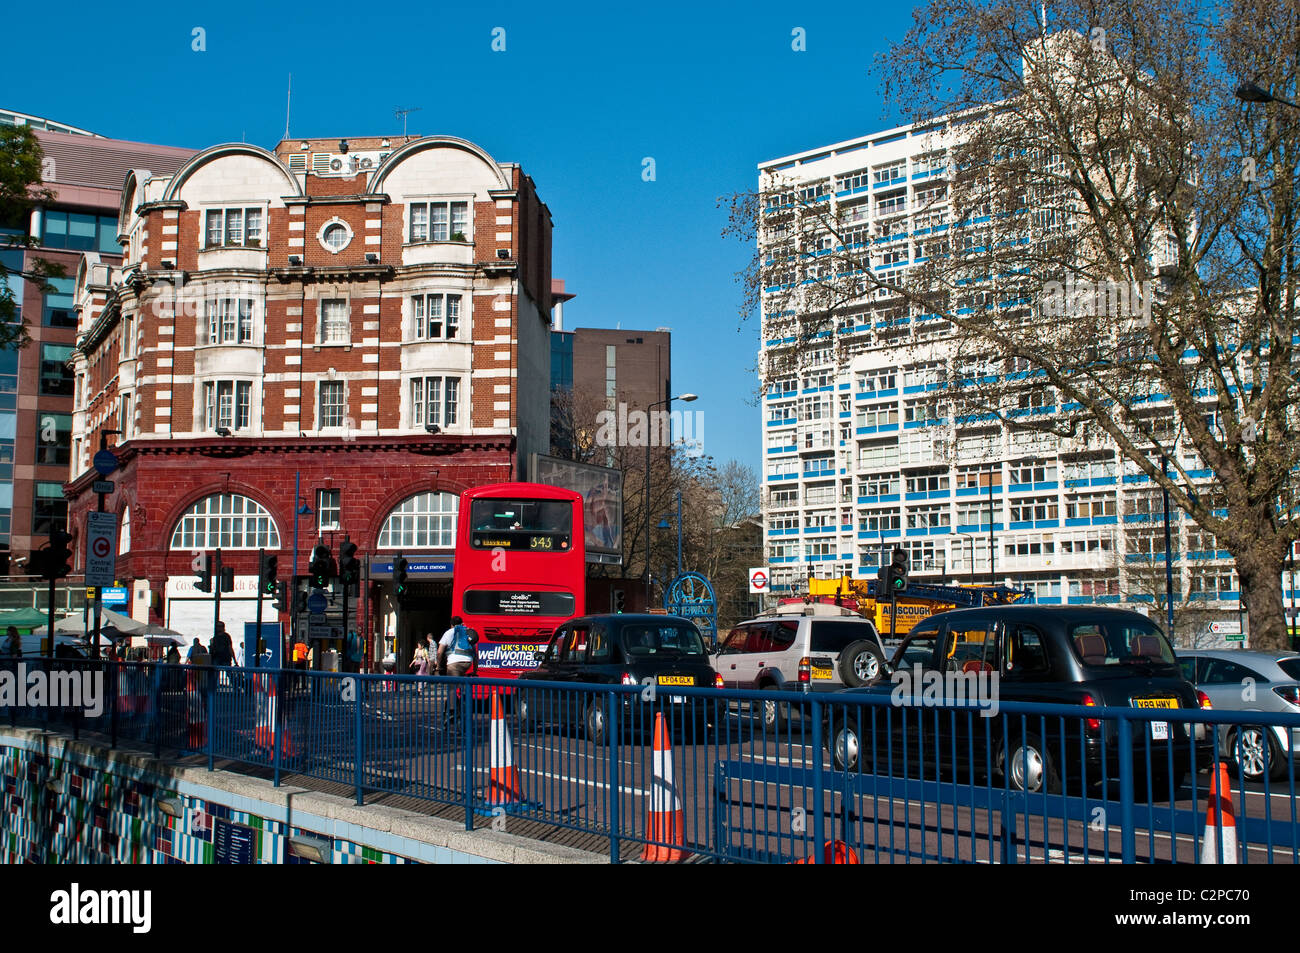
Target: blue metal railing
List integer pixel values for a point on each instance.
(891, 783)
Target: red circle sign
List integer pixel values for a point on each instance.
(100, 547)
(758, 580)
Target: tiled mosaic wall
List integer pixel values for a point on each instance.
(101, 814)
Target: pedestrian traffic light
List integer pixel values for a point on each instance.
(203, 572)
(618, 599)
(349, 567)
(267, 573)
(321, 569)
(58, 557)
(399, 576)
(227, 578)
(281, 603)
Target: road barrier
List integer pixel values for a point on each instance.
(692, 774)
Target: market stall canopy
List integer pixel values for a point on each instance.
(24, 618)
(124, 624)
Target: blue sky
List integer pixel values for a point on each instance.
(580, 96)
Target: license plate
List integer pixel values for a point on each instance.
(1159, 731)
(676, 680)
(678, 699)
(826, 673)
(1155, 703)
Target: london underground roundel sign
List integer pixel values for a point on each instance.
(758, 580)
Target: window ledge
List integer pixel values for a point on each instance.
(346, 345)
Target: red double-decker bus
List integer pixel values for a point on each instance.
(520, 570)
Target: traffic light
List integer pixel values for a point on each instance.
(350, 567)
(58, 557)
(203, 572)
(618, 599)
(399, 576)
(896, 573)
(281, 603)
(227, 578)
(321, 569)
(267, 572)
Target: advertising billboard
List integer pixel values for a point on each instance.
(602, 501)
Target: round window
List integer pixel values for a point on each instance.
(335, 236)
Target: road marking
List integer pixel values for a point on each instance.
(591, 784)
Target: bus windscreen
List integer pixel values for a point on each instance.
(521, 525)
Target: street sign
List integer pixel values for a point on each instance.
(316, 603)
(101, 549)
(322, 632)
(103, 486)
(105, 462)
(116, 595)
(1226, 627)
(759, 581)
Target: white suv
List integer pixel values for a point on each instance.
(820, 649)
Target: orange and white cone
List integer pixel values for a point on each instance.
(834, 852)
(503, 779)
(1220, 822)
(665, 824)
(196, 710)
(264, 733)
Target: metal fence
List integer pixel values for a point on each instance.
(672, 774)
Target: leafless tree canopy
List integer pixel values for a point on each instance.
(1109, 258)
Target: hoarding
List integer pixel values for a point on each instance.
(602, 501)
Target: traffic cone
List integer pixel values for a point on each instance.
(264, 733)
(1220, 822)
(834, 852)
(665, 824)
(196, 710)
(503, 779)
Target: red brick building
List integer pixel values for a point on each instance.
(367, 318)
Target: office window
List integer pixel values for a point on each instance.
(49, 509)
(232, 226)
(53, 439)
(228, 521)
(439, 221)
(423, 520)
(329, 509)
(436, 316)
(226, 404)
(124, 416)
(80, 231)
(331, 404)
(434, 400)
(229, 320)
(334, 326)
(56, 377)
(56, 309)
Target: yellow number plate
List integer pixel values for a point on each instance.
(1155, 703)
(823, 673)
(676, 680)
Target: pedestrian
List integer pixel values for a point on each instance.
(239, 655)
(353, 652)
(223, 652)
(456, 649)
(173, 655)
(13, 642)
(420, 662)
(198, 654)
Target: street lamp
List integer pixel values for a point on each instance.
(646, 505)
(1250, 93)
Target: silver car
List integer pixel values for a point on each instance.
(1241, 680)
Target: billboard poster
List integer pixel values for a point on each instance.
(602, 501)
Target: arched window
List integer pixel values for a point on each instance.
(226, 521)
(124, 536)
(426, 520)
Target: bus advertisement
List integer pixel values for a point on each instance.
(520, 570)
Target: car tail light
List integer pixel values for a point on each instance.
(1203, 699)
(717, 680)
(805, 670)
(1094, 724)
(628, 679)
(1289, 694)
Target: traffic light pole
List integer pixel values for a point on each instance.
(257, 633)
(216, 603)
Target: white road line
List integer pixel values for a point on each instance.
(591, 784)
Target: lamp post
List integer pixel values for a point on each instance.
(1250, 93)
(300, 508)
(1169, 565)
(646, 505)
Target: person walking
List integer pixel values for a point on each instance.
(13, 642)
(456, 649)
(223, 652)
(353, 653)
(420, 661)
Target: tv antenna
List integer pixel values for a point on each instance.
(402, 114)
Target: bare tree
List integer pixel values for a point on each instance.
(1107, 254)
